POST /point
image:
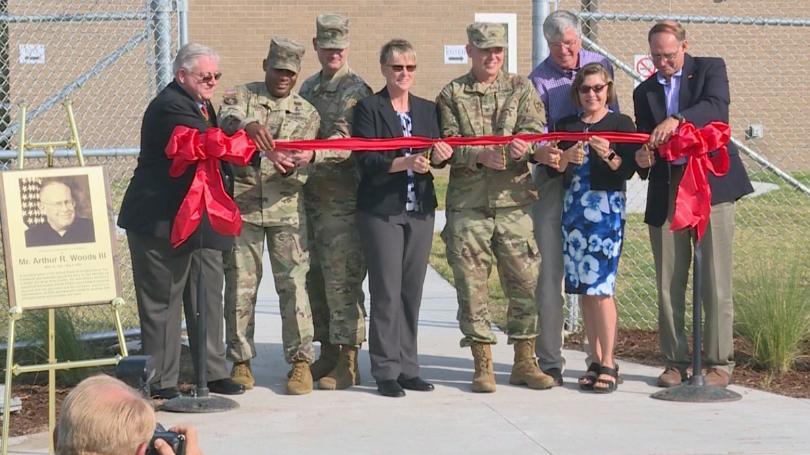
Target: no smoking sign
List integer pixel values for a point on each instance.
(643, 65)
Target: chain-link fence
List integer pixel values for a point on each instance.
(102, 55)
(108, 58)
(761, 44)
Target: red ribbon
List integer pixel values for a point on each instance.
(693, 203)
(206, 195)
(418, 142)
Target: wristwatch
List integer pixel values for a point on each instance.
(678, 116)
(611, 156)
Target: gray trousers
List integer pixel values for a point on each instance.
(166, 279)
(672, 252)
(547, 216)
(397, 249)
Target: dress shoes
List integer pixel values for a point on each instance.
(226, 386)
(717, 377)
(414, 383)
(165, 394)
(390, 388)
(671, 377)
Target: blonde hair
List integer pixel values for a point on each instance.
(103, 416)
(396, 46)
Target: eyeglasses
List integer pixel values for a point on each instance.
(563, 44)
(399, 68)
(585, 89)
(207, 78)
(668, 57)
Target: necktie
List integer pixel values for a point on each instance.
(204, 111)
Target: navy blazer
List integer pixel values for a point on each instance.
(704, 97)
(153, 197)
(380, 192)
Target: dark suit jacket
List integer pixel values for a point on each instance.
(704, 97)
(380, 192)
(153, 197)
(81, 231)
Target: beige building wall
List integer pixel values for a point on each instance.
(242, 31)
(765, 63)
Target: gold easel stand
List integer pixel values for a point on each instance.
(15, 313)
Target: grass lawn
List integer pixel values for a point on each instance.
(768, 225)
(771, 224)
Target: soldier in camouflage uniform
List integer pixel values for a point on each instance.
(337, 268)
(489, 199)
(270, 196)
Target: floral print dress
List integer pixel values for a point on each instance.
(593, 230)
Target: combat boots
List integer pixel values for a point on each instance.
(242, 374)
(484, 378)
(300, 382)
(345, 373)
(326, 362)
(525, 370)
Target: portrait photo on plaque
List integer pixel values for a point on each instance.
(58, 237)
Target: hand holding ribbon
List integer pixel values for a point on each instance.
(694, 197)
(206, 195)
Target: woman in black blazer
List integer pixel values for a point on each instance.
(395, 206)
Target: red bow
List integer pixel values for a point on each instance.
(693, 203)
(206, 193)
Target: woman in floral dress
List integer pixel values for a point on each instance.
(593, 216)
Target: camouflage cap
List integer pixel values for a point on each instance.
(485, 35)
(285, 54)
(332, 31)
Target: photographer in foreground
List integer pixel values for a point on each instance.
(104, 416)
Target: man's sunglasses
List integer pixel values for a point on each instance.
(207, 78)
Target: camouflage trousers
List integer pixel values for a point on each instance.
(474, 237)
(335, 278)
(289, 259)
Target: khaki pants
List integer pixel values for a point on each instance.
(672, 252)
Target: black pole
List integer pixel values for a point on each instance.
(202, 329)
(695, 390)
(201, 400)
(697, 310)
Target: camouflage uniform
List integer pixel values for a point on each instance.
(489, 211)
(272, 208)
(337, 270)
(337, 267)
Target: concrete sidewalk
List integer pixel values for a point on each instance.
(452, 420)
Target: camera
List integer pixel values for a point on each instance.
(177, 441)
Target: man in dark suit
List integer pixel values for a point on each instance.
(693, 89)
(61, 226)
(166, 277)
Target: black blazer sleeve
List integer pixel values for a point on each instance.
(365, 125)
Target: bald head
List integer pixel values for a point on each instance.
(104, 416)
(57, 204)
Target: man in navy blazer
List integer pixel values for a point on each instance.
(693, 89)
